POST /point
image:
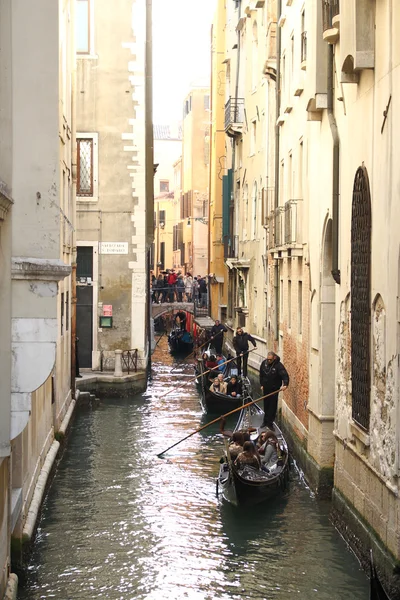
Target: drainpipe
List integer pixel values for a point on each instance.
(335, 168)
(277, 146)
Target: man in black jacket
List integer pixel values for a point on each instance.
(273, 378)
(241, 344)
(217, 336)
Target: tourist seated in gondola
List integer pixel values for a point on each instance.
(248, 457)
(234, 387)
(221, 363)
(236, 445)
(268, 448)
(211, 363)
(218, 385)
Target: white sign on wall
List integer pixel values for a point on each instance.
(113, 247)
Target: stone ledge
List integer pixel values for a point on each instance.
(40, 269)
(104, 385)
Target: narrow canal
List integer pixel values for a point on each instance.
(118, 523)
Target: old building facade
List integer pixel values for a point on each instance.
(37, 249)
(249, 170)
(167, 191)
(193, 245)
(114, 180)
(314, 258)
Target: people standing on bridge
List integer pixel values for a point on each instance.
(159, 285)
(241, 344)
(273, 378)
(188, 287)
(165, 287)
(217, 336)
(195, 291)
(202, 291)
(180, 288)
(172, 277)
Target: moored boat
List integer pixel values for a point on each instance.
(247, 485)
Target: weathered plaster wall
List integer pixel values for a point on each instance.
(111, 100)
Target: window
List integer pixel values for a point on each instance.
(82, 25)
(300, 182)
(289, 293)
(255, 195)
(253, 137)
(87, 167)
(67, 311)
(161, 219)
(164, 185)
(300, 308)
(84, 262)
(62, 314)
(162, 255)
(206, 102)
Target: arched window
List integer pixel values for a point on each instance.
(254, 215)
(361, 299)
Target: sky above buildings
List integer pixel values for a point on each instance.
(181, 52)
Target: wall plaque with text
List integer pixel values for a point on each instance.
(113, 247)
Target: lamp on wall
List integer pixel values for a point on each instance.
(203, 220)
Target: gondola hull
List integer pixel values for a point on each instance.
(213, 402)
(253, 487)
(180, 342)
(219, 404)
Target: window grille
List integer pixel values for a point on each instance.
(360, 299)
(85, 167)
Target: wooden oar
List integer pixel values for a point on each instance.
(197, 349)
(218, 419)
(205, 373)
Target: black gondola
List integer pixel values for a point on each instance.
(180, 341)
(247, 486)
(214, 402)
(376, 589)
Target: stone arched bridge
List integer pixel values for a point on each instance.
(170, 307)
(201, 315)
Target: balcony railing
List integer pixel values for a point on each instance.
(285, 225)
(234, 114)
(303, 46)
(330, 9)
(292, 222)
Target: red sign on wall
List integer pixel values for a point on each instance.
(107, 310)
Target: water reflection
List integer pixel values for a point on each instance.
(120, 523)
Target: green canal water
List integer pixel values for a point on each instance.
(119, 523)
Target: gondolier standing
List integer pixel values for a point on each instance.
(273, 377)
(217, 336)
(241, 344)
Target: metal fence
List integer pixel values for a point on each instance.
(130, 360)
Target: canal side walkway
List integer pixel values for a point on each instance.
(107, 383)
